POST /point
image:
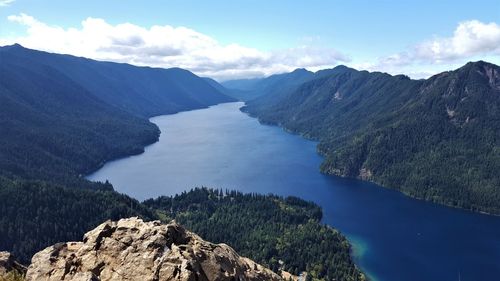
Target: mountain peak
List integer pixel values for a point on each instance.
(478, 65)
(341, 67)
(337, 69)
(15, 46)
(300, 70)
(488, 71)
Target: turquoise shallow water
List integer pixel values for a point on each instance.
(360, 249)
(395, 238)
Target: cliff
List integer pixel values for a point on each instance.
(131, 249)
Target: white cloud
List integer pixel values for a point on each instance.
(4, 3)
(471, 40)
(167, 46)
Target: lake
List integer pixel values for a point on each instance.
(395, 238)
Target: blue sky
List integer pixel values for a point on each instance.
(268, 36)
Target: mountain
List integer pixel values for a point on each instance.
(278, 87)
(131, 249)
(436, 139)
(143, 91)
(249, 89)
(63, 115)
(242, 84)
(54, 128)
(217, 86)
(243, 89)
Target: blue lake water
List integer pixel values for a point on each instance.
(395, 238)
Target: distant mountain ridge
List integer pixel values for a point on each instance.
(436, 139)
(272, 88)
(249, 89)
(143, 91)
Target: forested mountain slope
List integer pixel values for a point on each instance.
(36, 214)
(436, 139)
(142, 91)
(54, 129)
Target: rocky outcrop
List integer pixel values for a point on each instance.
(132, 249)
(8, 264)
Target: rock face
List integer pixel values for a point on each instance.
(9, 264)
(132, 249)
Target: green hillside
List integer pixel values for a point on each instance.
(436, 139)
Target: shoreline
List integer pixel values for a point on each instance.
(482, 212)
(145, 145)
(262, 122)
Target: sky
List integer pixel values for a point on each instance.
(256, 38)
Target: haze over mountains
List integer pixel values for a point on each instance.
(436, 139)
(248, 89)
